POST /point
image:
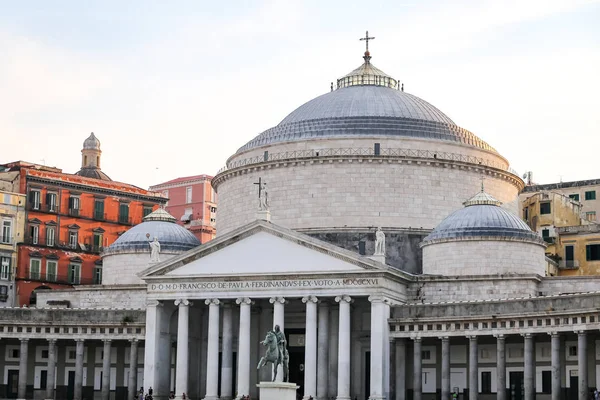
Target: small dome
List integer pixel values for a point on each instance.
(161, 225)
(482, 217)
(91, 143)
(95, 173)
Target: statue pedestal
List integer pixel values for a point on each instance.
(378, 257)
(264, 215)
(277, 390)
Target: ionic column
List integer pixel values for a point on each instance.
(582, 364)
(105, 395)
(343, 392)
(323, 355)
(133, 369)
(334, 344)
(501, 367)
(183, 334)
(400, 369)
(445, 367)
(278, 319)
(556, 367)
(417, 369)
(212, 352)
(78, 369)
(243, 379)
(473, 379)
(378, 325)
(152, 367)
(51, 369)
(310, 343)
(529, 366)
(23, 357)
(227, 353)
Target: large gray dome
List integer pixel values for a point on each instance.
(366, 110)
(161, 225)
(482, 217)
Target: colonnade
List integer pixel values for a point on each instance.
(529, 363)
(317, 342)
(79, 364)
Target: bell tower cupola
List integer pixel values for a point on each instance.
(90, 159)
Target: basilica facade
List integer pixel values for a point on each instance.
(453, 297)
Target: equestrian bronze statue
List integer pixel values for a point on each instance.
(276, 353)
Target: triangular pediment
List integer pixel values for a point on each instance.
(263, 248)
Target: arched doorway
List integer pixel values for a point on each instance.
(33, 295)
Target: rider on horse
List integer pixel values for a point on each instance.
(277, 353)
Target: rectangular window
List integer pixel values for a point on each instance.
(35, 268)
(573, 351)
(51, 268)
(592, 252)
(97, 245)
(74, 203)
(590, 216)
(526, 214)
(50, 232)
(6, 234)
(545, 233)
(591, 195)
(574, 196)
(97, 276)
(15, 353)
(43, 379)
(51, 204)
(34, 233)
(74, 274)
(188, 194)
(3, 293)
(147, 211)
(426, 354)
(5, 268)
(99, 210)
(34, 199)
(569, 253)
(486, 382)
(45, 354)
(123, 213)
(545, 208)
(73, 239)
(547, 382)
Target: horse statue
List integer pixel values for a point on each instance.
(274, 355)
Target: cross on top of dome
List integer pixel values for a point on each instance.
(367, 74)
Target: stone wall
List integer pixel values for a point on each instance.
(122, 268)
(25, 316)
(357, 193)
(569, 284)
(483, 257)
(402, 247)
(94, 297)
(466, 288)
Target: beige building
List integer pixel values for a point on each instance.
(586, 192)
(12, 223)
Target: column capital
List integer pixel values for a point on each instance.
(527, 335)
(343, 299)
(183, 302)
(444, 338)
(378, 298)
(472, 337)
(580, 332)
(416, 339)
(153, 303)
(500, 336)
(210, 302)
(243, 301)
(554, 334)
(274, 300)
(52, 341)
(24, 340)
(80, 340)
(133, 341)
(107, 341)
(310, 299)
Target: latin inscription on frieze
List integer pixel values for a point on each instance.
(265, 284)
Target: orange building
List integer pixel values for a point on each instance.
(70, 218)
(193, 201)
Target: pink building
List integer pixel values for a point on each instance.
(193, 201)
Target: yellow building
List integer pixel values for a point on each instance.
(573, 241)
(12, 225)
(579, 250)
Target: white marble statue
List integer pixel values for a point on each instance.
(263, 198)
(379, 242)
(154, 250)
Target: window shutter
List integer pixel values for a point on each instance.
(31, 197)
(588, 252)
(70, 203)
(70, 273)
(47, 198)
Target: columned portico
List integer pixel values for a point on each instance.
(582, 364)
(344, 348)
(212, 354)
(279, 319)
(379, 357)
(556, 364)
(24, 356)
(501, 367)
(310, 351)
(181, 372)
(417, 369)
(227, 353)
(529, 366)
(243, 380)
(51, 368)
(106, 369)
(323, 355)
(473, 375)
(79, 347)
(445, 367)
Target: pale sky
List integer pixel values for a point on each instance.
(174, 88)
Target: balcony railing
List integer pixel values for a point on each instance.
(568, 264)
(51, 208)
(6, 240)
(63, 279)
(125, 220)
(99, 216)
(74, 212)
(549, 239)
